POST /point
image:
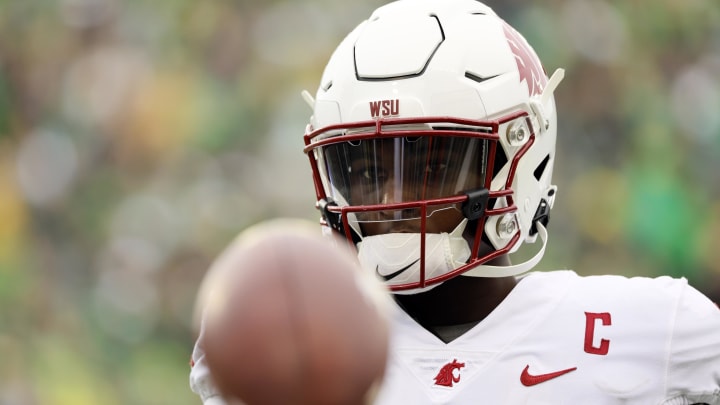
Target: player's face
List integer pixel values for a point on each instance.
(397, 170)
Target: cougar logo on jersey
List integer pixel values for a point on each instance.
(447, 376)
(528, 64)
(385, 108)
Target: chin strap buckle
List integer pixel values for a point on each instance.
(542, 216)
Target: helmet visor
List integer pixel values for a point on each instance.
(380, 171)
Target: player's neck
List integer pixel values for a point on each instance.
(460, 300)
(457, 301)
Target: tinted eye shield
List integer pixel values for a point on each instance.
(413, 128)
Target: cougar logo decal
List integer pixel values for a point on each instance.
(528, 64)
(447, 376)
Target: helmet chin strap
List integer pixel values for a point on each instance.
(512, 270)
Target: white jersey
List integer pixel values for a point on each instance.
(559, 338)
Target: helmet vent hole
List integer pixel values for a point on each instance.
(327, 86)
(541, 168)
(500, 160)
(477, 78)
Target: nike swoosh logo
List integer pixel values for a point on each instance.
(394, 274)
(529, 380)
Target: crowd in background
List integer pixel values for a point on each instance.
(138, 137)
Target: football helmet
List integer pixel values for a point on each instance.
(432, 143)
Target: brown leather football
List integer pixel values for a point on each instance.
(290, 318)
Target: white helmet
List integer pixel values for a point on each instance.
(432, 142)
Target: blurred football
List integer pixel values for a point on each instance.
(290, 318)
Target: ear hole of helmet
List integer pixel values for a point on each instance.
(541, 168)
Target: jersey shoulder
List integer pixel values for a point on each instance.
(646, 303)
(611, 288)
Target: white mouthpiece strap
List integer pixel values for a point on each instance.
(513, 270)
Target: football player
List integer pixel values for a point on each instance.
(432, 146)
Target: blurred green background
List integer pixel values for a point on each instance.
(138, 137)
